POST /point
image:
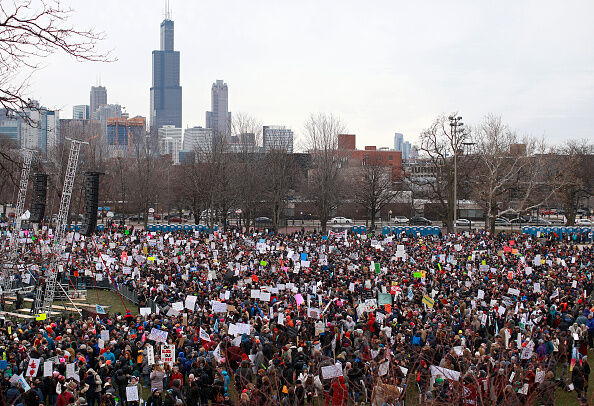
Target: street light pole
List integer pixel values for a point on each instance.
(455, 122)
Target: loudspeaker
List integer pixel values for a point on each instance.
(39, 197)
(91, 186)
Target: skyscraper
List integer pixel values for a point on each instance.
(406, 148)
(81, 112)
(398, 140)
(166, 93)
(43, 132)
(98, 98)
(219, 118)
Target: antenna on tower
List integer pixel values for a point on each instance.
(167, 10)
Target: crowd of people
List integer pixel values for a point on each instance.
(256, 318)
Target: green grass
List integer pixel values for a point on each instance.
(111, 299)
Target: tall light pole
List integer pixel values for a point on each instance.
(455, 129)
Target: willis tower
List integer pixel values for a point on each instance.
(166, 93)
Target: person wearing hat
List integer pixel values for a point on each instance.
(133, 383)
(155, 398)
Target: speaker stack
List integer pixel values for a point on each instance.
(91, 203)
(39, 197)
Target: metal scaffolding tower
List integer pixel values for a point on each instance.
(43, 302)
(20, 208)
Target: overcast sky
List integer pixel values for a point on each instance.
(382, 66)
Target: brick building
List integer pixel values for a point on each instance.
(357, 157)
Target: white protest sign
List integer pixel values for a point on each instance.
(150, 355)
(513, 291)
(168, 354)
(331, 371)
(219, 307)
(191, 302)
(445, 373)
(48, 368)
(132, 393)
(158, 335)
(32, 367)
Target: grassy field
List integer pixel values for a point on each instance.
(111, 299)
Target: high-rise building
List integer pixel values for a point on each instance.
(277, 138)
(124, 134)
(166, 92)
(98, 98)
(219, 117)
(81, 112)
(170, 142)
(10, 127)
(107, 111)
(406, 148)
(44, 130)
(398, 140)
(198, 139)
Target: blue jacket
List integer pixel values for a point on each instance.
(590, 324)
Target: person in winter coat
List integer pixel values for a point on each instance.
(175, 375)
(244, 374)
(91, 380)
(339, 392)
(155, 398)
(14, 396)
(547, 390)
(66, 395)
(156, 378)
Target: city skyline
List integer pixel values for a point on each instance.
(380, 78)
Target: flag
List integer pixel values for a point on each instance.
(555, 294)
(204, 335)
(217, 353)
(100, 309)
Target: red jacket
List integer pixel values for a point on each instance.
(340, 392)
(64, 398)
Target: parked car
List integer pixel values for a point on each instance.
(501, 221)
(419, 221)
(136, 217)
(463, 222)
(519, 220)
(175, 219)
(583, 222)
(260, 220)
(539, 221)
(341, 220)
(400, 220)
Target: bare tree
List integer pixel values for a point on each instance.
(576, 163)
(35, 29)
(325, 181)
(373, 187)
(247, 165)
(496, 169)
(279, 176)
(440, 144)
